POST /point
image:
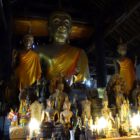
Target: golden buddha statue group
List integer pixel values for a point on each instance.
(54, 59)
(62, 61)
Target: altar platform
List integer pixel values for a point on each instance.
(123, 138)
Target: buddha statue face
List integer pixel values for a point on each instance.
(122, 49)
(49, 103)
(28, 41)
(117, 89)
(124, 102)
(59, 27)
(105, 104)
(67, 106)
(60, 87)
(66, 99)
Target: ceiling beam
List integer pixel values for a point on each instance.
(123, 18)
(133, 38)
(37, 15)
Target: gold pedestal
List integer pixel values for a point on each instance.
(18, 132)
(123, 138)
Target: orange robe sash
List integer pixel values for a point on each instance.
(66, 62)
(29, 69)
(127, 72)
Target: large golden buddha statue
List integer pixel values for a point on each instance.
(59, 56)
(126, 67)
(28, 70)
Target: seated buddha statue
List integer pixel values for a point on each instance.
(125, 110)
(105, 111)
(126, 67)
(26, 63)
(66, 115)
(59, 97)
(60, 57)
(107, 114)
(49, 114)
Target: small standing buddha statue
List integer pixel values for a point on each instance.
(13, 117)
(135, 95)
(86, 110)
(138, 102)
(119, 95)
(125, 110)
(24, 113)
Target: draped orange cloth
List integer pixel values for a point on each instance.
(66, 62)
(127, 71)
(29, 69)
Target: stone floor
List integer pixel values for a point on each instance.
(123, 138)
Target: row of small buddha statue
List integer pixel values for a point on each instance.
(58, 110)
(116, 90)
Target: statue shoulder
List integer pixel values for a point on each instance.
(75, 48)
(34, 53)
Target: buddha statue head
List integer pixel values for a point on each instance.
(49, 103)
(66, 106)
(28, 41)
(60, 87)
(117, 89)
(122, 48)
(59, 27)
(105, 104)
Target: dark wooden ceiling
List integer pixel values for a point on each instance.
(119, 18)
